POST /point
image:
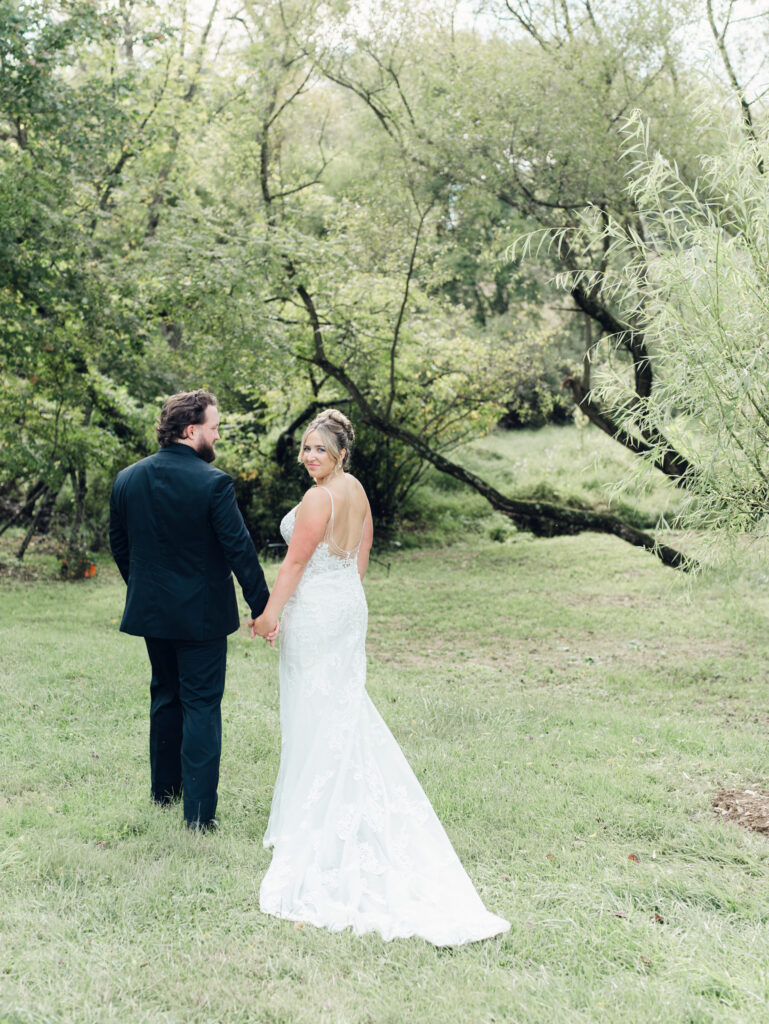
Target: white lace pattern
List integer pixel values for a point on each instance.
(356, 841)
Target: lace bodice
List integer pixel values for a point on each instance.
(327, 556)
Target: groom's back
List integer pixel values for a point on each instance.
(167, 509)
(179, 582)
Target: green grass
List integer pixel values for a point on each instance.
(564, 707)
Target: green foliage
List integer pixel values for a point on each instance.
(536, 393)
(237, 203)
(69, 340)
(389, 471)
(698, 280)
(266, 487)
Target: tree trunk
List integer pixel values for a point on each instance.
(79, 489)
(32, 530)
(541, 518)
(667, 459)
(29, 503)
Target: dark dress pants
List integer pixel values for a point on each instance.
(186, 722)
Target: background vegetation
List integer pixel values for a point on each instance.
(438, 220)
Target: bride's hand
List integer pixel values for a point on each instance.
(266, 628)
(273, 634)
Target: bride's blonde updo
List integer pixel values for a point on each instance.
(336, 431)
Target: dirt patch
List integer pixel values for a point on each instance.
(748, 807)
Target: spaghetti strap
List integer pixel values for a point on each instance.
(328, 492)
(329, 534)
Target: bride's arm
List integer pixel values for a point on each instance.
(365, 544)
(311, 520)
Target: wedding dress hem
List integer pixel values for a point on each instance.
(389, 932)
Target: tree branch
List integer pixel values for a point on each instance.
(527, 24)
(747, 114)
(543, 519)
(668, 461)
(404, 303)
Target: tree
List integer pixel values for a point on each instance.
(55, 403)
(699, 276)
(349, 268)
(530, 113)
(85, 93)
(313, 240)
(298, 213)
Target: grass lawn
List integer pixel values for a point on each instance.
(571, 715)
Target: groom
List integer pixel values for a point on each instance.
(176, 534)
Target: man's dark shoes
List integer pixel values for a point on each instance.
(203, 826)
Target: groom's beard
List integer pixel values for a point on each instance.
(205, 451)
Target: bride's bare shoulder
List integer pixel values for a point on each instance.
(356, 484)
(315, 500)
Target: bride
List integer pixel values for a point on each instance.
(356, 841)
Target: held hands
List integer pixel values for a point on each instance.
(266, 628)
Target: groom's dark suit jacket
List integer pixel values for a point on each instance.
(177, 536)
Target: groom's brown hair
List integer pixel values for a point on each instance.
(179, 411)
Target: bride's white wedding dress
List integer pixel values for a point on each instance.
(356, 841)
